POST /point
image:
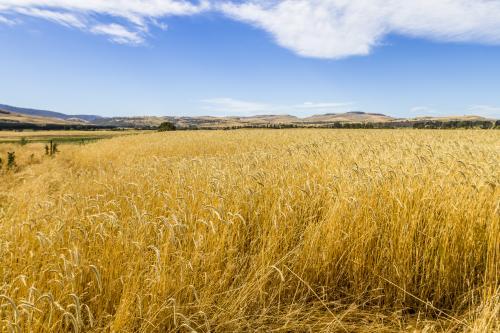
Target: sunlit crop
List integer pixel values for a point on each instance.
(254, 230)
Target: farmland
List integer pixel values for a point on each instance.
(61, 136)
(300, 230)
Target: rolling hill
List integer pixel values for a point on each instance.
(49, 114)
(353, 116)
(18, 118)
(16, 115)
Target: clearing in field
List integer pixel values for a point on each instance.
(254, 230)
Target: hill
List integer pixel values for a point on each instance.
(353, 119)
(258, 120)
(353, 116)
(45, 113)
(453, 118)
(11, 117)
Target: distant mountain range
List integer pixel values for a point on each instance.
(50, 114)
(17, 117)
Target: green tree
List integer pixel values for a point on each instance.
(166, 126)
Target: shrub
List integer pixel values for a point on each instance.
(51, 148)
(11, 160)
(166, 126)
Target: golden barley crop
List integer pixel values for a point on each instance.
(255, 230)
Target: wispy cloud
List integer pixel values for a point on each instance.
(342, 28)
(230, 106)
(321, 106)
(64, 18)
(7, 21)
(423, 111)
(485, 111)
(118, 33)
(314, 28)
(130, 19)
(234, 107)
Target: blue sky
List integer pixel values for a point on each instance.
(250, 57)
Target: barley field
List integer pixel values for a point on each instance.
(301, 230)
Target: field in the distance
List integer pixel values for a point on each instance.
(61, 136)
(255, 230)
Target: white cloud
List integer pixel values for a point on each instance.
(130, 9)
(64, 18)
(234, 107)
(118, 33)
(135, 16)
(475, 110)
(485, 111)
(6, 21)
(341, 28)
(423, 111)
(321, 106)
(315, 28)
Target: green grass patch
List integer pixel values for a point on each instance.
(59, 139)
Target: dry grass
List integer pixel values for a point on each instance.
(286, 231)
(33, 153)
(23, 118)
